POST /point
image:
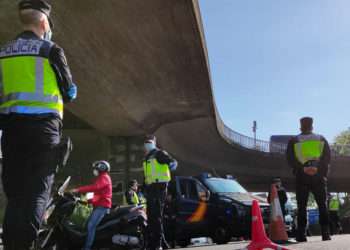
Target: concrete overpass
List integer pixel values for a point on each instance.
(142, 67)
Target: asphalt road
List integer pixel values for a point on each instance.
(338, 242)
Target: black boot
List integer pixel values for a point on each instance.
(325, 233)
(301, 236)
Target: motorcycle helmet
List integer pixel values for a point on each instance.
(101, 166)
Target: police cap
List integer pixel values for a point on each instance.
(40, 5)
(150, 139)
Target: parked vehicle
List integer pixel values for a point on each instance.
(206, 206)
(124, 227)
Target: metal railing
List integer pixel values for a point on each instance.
(272, 147)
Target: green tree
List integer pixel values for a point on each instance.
(342, 143)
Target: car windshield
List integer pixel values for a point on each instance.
(224, 186)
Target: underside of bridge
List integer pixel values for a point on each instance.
(142, 67)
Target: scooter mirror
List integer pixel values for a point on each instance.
(64, 186)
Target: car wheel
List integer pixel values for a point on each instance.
(221, 235)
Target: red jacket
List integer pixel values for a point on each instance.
(102, 189)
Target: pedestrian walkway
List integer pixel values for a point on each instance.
(339, 242)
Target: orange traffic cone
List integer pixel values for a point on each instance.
(259, 238)
(277, 229)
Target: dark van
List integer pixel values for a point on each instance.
(206, 206)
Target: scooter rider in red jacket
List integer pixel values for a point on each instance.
(102, 200)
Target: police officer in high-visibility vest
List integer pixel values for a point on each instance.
(333, 208)
(131, 196)
(35, 81)
(308, 154)
(157, 166)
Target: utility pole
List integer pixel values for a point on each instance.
(255, 127)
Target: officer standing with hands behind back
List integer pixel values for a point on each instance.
(157, 165)
(35, 80)
(308, 154)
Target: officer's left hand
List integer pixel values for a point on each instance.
(73, 191)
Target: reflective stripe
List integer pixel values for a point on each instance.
(309, 137)
(153, 167)
(30, 97)
(29, 110)
(298, 152)
(1, 80)
(39, 75)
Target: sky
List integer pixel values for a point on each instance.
(275, 61)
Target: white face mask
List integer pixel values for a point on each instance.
(48, 35)
(149, 147)
(95, 172)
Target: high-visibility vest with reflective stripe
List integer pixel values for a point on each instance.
(134, 199)
(28, 83)
(334, 204)
(155, 172)
(308, 148)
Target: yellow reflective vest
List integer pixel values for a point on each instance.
(334, 204)
(155, 172)
(134, 199)
(28, 83)
(308, 147)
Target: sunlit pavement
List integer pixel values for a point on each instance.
(338, 242)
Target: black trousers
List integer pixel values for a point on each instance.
(335, 226)
(155, 194)
(29, 163)
(318, 186)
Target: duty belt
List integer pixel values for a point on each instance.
(312, 163)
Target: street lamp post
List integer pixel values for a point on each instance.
(255, 127)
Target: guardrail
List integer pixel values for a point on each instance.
(271, 147)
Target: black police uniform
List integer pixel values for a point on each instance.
(316, 184)
(29, 148)
(282, 197)
(156, 195)
(170, 219)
